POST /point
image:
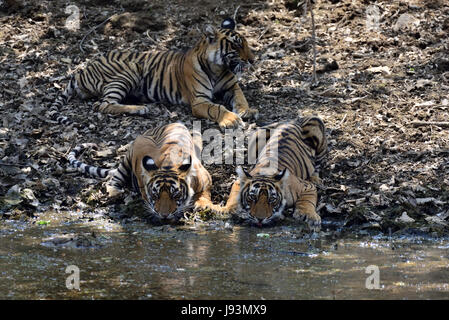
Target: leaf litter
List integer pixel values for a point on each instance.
(384, 173)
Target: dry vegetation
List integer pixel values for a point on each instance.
(382, 93)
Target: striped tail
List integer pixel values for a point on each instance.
(61, 100)
(84, 168)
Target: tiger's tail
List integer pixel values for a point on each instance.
(85, 168)
(61, 100)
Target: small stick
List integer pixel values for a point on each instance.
(149, 37)
(91, 30)
(313, 41)
(442, 124)
(235, 12)
(13, 165)
(262, 34)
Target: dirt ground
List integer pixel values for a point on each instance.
(382, 91)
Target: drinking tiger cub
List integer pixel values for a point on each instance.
(283, 175)
(197, 78)
(163, 166)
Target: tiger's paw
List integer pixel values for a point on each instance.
(207, 205)
(113, 192)
(312, 220)
(249, 114)
(96, 105)
(143, 110)
(230, 121)
(104, 107)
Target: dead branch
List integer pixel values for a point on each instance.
(307, 6)
(235, 12)
(443, 124)
(313, 40)
(92, 29)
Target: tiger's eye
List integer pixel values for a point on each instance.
(236, 46)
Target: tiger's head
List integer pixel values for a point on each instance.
(227, 48)
(166, 190)
(261, 199)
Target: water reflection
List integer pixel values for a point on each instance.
(138, 261)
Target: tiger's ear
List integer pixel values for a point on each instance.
(210, 33)
(186, 164)
(228, 23)
(149, 164)
(283, 175)
(243, 174)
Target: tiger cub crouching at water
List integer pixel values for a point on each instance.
(283, 175)
(163, 166)
(197, 78)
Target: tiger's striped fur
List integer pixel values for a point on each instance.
(163, 166)
(283, 175)
(197, 78)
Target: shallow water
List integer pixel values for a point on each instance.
(139, 261)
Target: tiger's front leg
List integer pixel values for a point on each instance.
(305, 206)
(204, 202)
(237, 100)
(215, 112)
(232, 203)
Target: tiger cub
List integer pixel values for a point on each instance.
(163, 166)
(283, 175)
(197, 78)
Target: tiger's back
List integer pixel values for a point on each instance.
(298, 146)
(142, 76)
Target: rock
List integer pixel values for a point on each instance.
(405, 21)
(404, 218)
(385, 70)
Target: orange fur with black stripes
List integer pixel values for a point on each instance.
(200, 78)
(163, 166)
(283, 176)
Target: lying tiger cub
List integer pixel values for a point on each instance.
(283, 175)
(163, 166)
(195, 78)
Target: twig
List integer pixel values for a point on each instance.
(13, 165)
(73, 145)
(313, 41)
(299, 46)
(443, 124)
(263, 33)
(307, 6)
(235, 12)
(92, 29)
(149, 37)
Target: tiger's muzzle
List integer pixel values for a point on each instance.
(234, 62)
(262, 212)
(165, 206)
